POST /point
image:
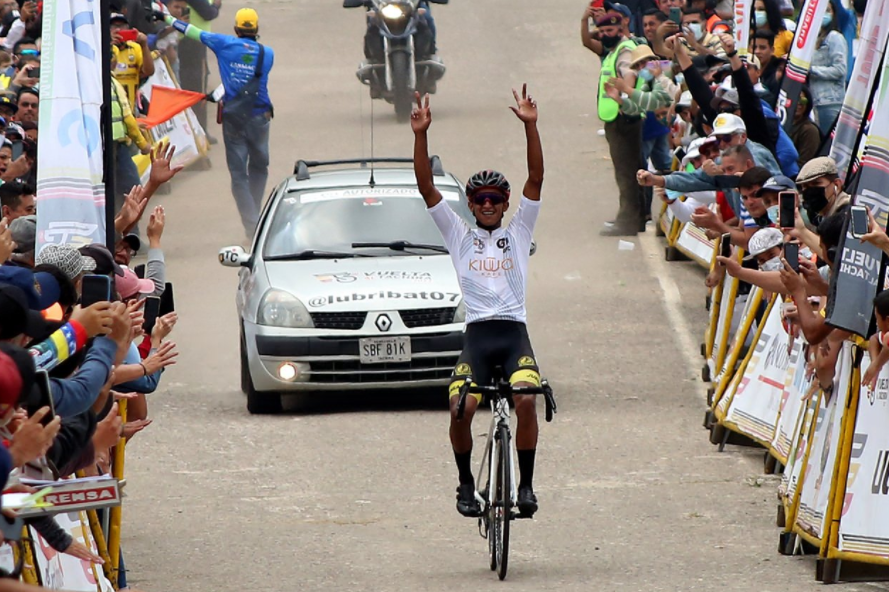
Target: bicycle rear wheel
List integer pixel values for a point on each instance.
(503, 502)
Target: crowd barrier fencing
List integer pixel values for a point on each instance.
(684, 240)
(44, 566)
(831, 448)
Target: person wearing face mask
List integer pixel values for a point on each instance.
(821, 189)
(827, 76)
(769, 194)
(697, 40)
(767, 17)
(765, 248)
(623, 132)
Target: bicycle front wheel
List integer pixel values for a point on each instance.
(503, 502)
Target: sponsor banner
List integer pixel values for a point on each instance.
(70, 190)
(854, 282)
(793, 469)
(694, 244)
(872, 44)
(812, 516)
(757, 402)
(182, 131)
(368, 193)
(730, 379)
(796, 386)
(72, 495)
(805, 41)
(59, 571)
(863, 525)
(383, 295)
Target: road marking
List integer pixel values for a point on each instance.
(685, 340)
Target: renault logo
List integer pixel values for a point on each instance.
(383, 322)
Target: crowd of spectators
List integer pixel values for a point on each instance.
(693, 125)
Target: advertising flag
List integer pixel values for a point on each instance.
(799, 61)
(70, 191)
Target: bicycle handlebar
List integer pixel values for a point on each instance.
(502, 389)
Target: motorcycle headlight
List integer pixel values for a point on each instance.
(392, 11)
(460, 313)
(282, 309)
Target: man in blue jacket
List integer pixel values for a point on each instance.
(244, 66)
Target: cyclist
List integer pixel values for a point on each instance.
(492, 263)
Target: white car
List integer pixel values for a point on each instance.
(348, 285)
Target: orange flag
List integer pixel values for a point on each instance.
(166, 103)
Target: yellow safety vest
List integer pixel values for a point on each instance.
(118, 127)
(195, 19)
(608, 107)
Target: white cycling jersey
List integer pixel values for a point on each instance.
(492, 266)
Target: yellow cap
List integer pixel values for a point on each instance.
(246, 18)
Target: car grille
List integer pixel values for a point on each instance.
(352, 371)
(338, 320)
(427, 317)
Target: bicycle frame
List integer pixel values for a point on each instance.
(499, 416)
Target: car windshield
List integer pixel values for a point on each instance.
(333, 219)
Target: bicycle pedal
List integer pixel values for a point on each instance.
(522, 517)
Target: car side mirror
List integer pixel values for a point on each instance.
(353, 3)
(234, 256)
(533, 247)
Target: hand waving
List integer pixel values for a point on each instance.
(421, 116)
(161, 170)
(526, 106)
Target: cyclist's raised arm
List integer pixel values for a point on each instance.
(526, 111)
(421, 117)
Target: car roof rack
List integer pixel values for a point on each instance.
(301, 168)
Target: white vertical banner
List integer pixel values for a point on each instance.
(865, 72)
(70, 192)
(743, 17)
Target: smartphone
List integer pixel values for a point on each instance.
(41, 397)
(860, 221)
(787, 209)
(128, 34)
(18, 149)
(597, 4)
(167, 304)
(150, 312)
(676, 15)
(725, 245)
(791, 254)
(139, 270)
(34, 72)
(95, 288)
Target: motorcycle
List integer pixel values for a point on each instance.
(398, 48)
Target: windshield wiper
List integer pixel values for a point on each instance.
(313, 254)
(400, 246)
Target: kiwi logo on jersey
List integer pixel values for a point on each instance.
(463, 370)
(527, 361)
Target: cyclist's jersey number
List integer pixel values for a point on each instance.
(492, 266)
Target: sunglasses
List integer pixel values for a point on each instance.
(727, 109)
(495, 198)
(724, 138)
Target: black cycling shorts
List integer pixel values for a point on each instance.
(489, 344)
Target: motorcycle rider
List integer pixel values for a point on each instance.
(424, 39)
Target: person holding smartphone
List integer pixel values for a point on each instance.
(134, 61)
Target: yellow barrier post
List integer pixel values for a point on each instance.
(29, 565)
(99, 537)
(116, 512)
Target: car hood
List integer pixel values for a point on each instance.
(368, 283)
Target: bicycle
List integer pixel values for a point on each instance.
(498, 497)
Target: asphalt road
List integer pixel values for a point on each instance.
(358, 493)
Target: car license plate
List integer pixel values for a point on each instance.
(378, 350)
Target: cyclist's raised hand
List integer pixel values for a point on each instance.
(526, 106)
(421, 116)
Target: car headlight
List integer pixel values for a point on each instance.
(282, 309)
(392, 11)
(460, 313)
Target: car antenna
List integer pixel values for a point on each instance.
(372, 182)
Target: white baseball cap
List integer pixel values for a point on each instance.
(763, 240)
(694, 150)
(728, 123)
